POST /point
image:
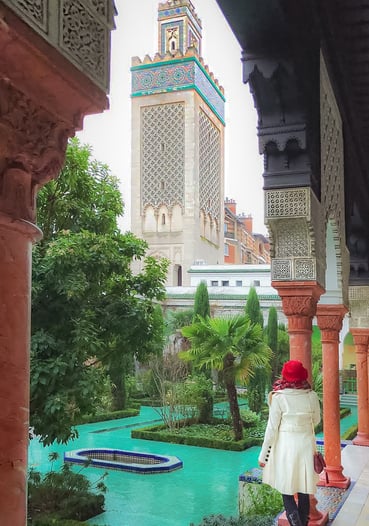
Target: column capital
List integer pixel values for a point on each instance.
(361, 339)
(330, 319)
(299, 298)
(33, 151)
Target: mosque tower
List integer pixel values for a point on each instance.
(178, 147)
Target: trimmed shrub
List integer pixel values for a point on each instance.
(249, 418)
(350, 433)
(113, 415)
(220, 520)
(213, 436)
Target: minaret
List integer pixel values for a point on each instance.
(178, 147)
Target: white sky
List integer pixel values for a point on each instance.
(109, 133)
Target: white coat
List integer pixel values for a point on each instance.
(289, 441)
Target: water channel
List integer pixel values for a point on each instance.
(208, 482)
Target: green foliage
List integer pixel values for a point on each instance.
(218, 435)
(196, 394)
(272, 341)
(234, 347)
(90, 313)
(262, 500)
(176, 319)
(201, 302)
(252, 309)
(221, 520)
(258, 382)
(113, 415)
(249, 418)
(350, 433)
(63, 495)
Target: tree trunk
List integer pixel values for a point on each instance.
(230, 385)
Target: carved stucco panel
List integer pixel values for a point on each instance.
(359, 307)
(34, 151)
(79, 29)
(332, 175)
(294, 218)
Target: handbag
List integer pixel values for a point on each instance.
(319, 462)
(318, 459)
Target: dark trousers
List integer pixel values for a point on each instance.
(302, 506)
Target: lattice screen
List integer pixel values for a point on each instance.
(162, 155)
(209, 166)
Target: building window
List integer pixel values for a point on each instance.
(225, 283)
(238, 283)
(256, 283)
(163, 219)
(226, 249)
(214, 283)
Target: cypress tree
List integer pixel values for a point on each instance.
(272, 339)
(253, 309)
(258, 382)
(201, 305)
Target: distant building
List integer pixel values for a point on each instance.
(228, 288)
(241, 244)
(178, 147)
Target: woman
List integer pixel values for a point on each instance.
(289, 442)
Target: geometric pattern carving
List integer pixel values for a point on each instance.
(34, 10)
(281, 269)
(292, 239)
(287, 203)
(79, 29)
(162, 155)
(332, 175)
(293, 218)
(305, 269)
(84, 37)
(359, 306)
(209, 166)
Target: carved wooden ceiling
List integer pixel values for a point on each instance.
(296, 31)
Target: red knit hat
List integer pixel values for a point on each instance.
(294, 371)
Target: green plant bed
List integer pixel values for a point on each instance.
(113, 415)
(59, 497)
(350, 433)
(220, 520)
(218, 435)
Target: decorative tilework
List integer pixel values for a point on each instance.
(117, 459)
(163, 35)
(186, 73)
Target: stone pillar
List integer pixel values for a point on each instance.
(32, 154)
(16, 239)
(330, 323)
(361, 341)
(299, 301)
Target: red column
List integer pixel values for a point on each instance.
(361, 341)
(16, 237)
(299, 300)
(330, 319)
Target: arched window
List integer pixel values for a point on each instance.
(163, 219)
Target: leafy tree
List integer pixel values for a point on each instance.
(90, 312)
(233, 346)
(201, 303)
(257, 384)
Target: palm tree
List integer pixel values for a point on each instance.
(233, 346)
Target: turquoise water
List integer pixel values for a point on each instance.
(208, 482)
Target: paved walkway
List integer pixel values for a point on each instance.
(355, 509)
